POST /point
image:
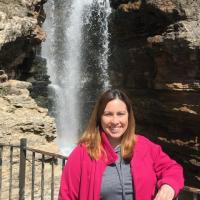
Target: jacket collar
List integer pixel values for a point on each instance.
(139, 148)
(111, 155)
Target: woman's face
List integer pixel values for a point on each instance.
(114, 120)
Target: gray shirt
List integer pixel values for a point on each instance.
(117, 181)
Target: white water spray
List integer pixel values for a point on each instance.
(103, 60)
(63, 51)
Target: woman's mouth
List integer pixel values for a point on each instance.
(115, 129)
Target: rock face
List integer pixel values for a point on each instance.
(20, 32)
(20, 116)
(155, 56)
(36, 74)
(20, 36)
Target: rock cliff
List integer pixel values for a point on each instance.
(20, 32)
(155, 56)
(20, 116)
(20, 35)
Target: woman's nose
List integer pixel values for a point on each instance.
(115, 120)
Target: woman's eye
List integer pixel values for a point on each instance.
(107, 114)
(121, 113)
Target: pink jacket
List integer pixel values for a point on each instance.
(150, 167)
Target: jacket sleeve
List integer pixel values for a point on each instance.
(71, 175)
(168, 171)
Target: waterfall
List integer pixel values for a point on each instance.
(103, 14)
(71, 27)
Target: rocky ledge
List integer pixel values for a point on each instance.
(21, 117)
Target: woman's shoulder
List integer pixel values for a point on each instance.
(143, 140)
(146, 145)
(79, 156)
(78, 151)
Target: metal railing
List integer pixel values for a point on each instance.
(25, 174)
(28, 160)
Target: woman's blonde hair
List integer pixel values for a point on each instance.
(91, 136)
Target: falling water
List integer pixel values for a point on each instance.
(103, 13)
(70, 29)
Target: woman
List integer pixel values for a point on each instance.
(111, 162)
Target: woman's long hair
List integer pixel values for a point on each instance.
(91, 136)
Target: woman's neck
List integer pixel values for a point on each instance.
(114, 142)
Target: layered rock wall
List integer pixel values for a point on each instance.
(155, 56)
(20, 32)
(20, 36)
(21, 117)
